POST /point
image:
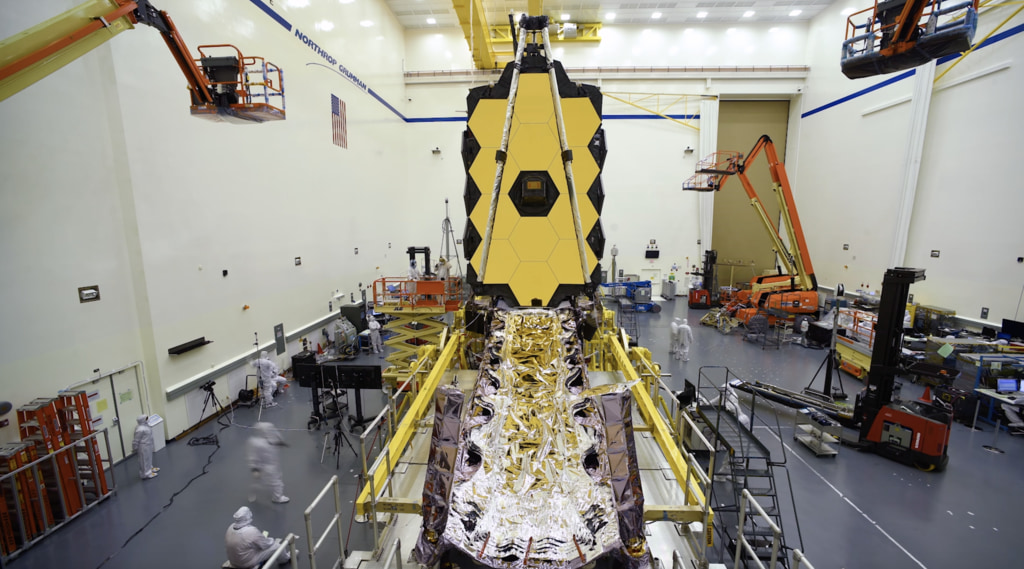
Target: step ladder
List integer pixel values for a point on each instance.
(76, 424)
(749, 465)
(39, 427)
(23, 513)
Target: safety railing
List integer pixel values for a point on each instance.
(391, 435)
(800, 560)
(287, 544)
(694, 484)
(743, 547)
(866, 37)
(32, 500)
(405, 293)
(394, 556)
(335, 522)
(381, 431)
(256, 78)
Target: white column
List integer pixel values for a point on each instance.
(707, 145)
(924, 78)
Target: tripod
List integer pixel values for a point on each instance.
(448, 239)
(828, 394)
(340, 439)
(210, 397)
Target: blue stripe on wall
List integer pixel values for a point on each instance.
(386, 104)
(945, 59)
(646, 117)
(262, 6)
(438, 119)
(860, 93)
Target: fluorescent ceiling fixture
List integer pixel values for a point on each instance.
(431, 21)
(609, 16)
(748, 13)
(324, 25)
(366, 23)
(795, 13)
(565, 17)
(702, 14)
(656, 15)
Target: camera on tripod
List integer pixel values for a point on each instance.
(208, 386)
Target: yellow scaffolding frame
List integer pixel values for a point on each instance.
(659, 109)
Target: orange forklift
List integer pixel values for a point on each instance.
(793, 289)
(911, 432)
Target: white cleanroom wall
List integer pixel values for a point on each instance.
(854, 138)
(118, 186)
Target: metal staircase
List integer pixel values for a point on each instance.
(748, 465)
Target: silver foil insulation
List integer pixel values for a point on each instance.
(545, 473)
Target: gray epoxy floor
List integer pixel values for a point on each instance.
(856, 511)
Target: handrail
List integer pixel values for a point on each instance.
(335, 522)
(799, 556)
(402, 435)
(289, 540)
(395, 554)
(620, 361)
(745, 499)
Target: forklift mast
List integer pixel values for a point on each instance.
(885, 355)
(425, 251)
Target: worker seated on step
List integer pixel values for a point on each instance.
(247, 546)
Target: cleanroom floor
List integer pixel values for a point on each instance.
(856, 510)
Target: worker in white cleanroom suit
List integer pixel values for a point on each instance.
(265, 463)
(414, 273)
(374, 334)
(443, 269)
(247, 546)
(270, 378)
(674, 343)
(685, 340)
(142, 445)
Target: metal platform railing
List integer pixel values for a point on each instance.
(334, 523)
(287, 543)
(743, 546)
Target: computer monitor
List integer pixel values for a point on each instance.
(1006, 385)
(1012, 329)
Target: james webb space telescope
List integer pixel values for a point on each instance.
(531, 460)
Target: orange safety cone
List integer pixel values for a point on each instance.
(927, 395)
(319, 350)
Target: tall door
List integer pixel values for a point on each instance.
(738, 234)
(115, 401)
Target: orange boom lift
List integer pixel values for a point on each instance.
(225, 86)
(794, 288)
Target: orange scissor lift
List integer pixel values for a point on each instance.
(414, 306)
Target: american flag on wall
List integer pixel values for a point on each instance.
(339, 128)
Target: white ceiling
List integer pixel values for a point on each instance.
(414, 13)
